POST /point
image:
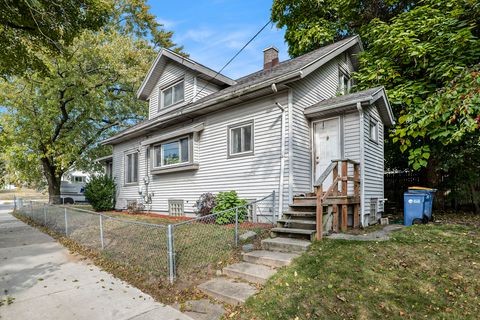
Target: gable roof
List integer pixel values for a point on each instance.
(159, 63)
(286, 71)
(345, 102)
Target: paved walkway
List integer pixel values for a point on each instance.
(380, 235)
(42, 280)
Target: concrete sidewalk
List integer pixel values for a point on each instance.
(47, 282)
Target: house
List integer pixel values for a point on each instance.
(277, 129)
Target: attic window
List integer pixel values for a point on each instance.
(374, 130)
(173, 94)
(344, 82)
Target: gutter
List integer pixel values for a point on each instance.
(362, 163)
(222, 98)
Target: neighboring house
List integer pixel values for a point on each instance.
(274, 130)
(72, 186)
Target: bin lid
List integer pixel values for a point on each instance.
(421, 188)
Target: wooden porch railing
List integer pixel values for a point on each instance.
(335, 197)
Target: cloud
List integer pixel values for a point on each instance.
(168, 24)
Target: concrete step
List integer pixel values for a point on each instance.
(286, 245)
(227, 290)
(249, 271)
(293, 231)
(269, 258)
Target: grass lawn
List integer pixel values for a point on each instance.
(424, 272)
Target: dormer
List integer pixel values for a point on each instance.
(174, 81)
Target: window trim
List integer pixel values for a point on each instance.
(377, 128)
(127, 153)
(251, 152)
(159, 144)
(345, 74)
(172, 84)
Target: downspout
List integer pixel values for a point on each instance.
(290, 144)
(282, 156)
(362, 164)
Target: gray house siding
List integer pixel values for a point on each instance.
(252, 176)
(320, 85)
(373, 164)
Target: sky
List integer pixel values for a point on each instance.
(212, 31)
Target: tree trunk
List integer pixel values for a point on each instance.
(53, 180)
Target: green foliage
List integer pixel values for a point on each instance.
(32, 28)
(228, 200)
(100, 192)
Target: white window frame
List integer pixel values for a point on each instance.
(232, 154)
(342, 76)
(172, 86)
(374, 128)
(82, 179)
(159, 145)
(132, 182)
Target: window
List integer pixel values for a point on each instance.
(78, 179)
(241, 139)
(131, 168)
(374, 130)
(344, 82)
(109, 169)
(176, 207)
(172, 153)
(173, 94)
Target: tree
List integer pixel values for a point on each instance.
(415, 49)
(31, 28)
(55, 119)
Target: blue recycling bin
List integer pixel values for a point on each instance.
(429, 194)
(413, 208)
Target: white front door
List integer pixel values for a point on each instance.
(326, 144)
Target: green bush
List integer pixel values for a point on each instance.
(228, 200)
(100, 193)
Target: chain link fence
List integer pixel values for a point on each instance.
(175, 250)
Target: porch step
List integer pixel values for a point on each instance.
(286, 245)
(227, 290)
(269, 258)
(297, 223)
(304, 200)
(250, 272)
(300, 213)
(293, 233)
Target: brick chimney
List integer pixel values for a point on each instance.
(270, 57)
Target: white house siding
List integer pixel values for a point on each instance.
(374, 164)
(174, 71)
(251, 176)
(204, 88)
(317, 86)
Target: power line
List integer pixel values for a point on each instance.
(233, 58)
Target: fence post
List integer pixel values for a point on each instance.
(171, 254)
(66, 222)
(45, 214)
(236, 226)
(14, 203)
(101, 232)
(31, 209)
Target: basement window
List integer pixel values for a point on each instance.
(176, 207)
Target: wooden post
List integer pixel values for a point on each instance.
(335, 217)
(344, 217)
(356, 215)
(319, 213)
(335, 175)
(356, 191)
(344, 177)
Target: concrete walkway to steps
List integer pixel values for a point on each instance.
(42, 280)
(380, 235)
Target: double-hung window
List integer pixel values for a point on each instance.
(344, 82)
(171, 153)
(240, 139)
(173, 94)
(374, 130)
(131, 168)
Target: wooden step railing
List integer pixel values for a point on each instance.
(338, 197)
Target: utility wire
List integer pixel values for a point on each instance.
(233, 58)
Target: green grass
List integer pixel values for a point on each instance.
(423, 272)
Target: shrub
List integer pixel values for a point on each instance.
(205, 204)
(100, 193)
(228, 200)
(134, 207)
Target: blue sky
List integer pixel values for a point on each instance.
(212, 31)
